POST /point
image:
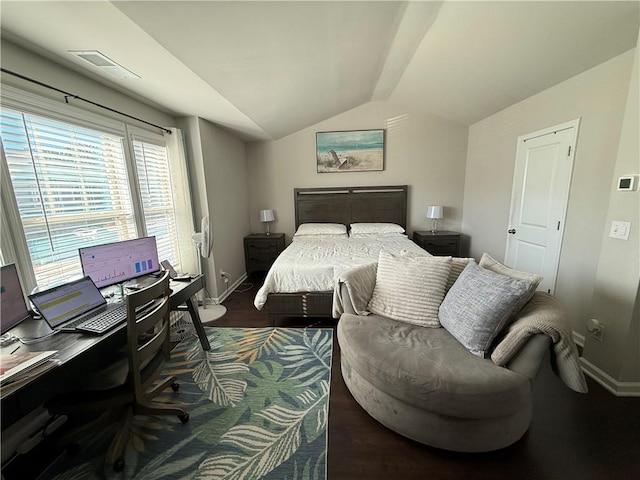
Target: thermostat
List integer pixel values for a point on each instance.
(627, 183)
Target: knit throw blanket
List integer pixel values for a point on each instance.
(544, 314)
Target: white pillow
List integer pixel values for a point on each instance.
(321, 229)
(319, 237)
(410, 288)
(490, 263)
(457, 266)
(376, 228)
(378, 235)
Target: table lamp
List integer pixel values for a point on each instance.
(266, 217)
(434, 212)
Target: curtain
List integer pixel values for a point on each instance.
(178, 168)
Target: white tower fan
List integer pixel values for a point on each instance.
(204, 240)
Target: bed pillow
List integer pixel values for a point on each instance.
(410, 288)
(321, 229)
(490, 263)
(479, 305)
(319, 237)
(378, 235)
(376, 228)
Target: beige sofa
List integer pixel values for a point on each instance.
(423, 384)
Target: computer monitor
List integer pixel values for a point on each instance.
(117, 262)
(13, 308)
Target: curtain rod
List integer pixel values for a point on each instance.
(68, 95)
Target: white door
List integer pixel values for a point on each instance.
(541, 182)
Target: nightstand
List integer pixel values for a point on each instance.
(261, 250)
(439, 243)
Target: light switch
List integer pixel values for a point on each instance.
(620, 230)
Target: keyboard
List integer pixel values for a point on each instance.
(103, 322)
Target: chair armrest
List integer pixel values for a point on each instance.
(347, 305)
(528, 360)
(353, 289)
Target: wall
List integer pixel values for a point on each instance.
(218, 171)
(225, 170)
(26, 63)
(598, 97)
(425, 152)
(616, 284)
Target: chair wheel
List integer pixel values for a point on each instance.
(184, 418)
(118, 465)
(175, 386)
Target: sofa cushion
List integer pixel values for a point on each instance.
(429, 368)
(478, 306)
(410, 288)
(490, 263)
(457, 266)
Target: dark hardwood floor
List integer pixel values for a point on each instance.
(581, 436)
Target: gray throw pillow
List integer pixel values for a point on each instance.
(489, 263)
(479, 305)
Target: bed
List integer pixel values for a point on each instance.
(301, 280)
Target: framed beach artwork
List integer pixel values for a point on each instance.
(350, 151)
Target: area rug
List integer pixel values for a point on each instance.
(258, 408)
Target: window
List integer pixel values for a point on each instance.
(154, 182)
(73, 179)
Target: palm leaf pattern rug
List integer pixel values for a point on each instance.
(258, 406)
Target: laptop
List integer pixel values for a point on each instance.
(13, 308)
(72, 306)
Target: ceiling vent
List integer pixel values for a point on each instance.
(103, 63)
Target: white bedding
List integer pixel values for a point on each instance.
(313, 264)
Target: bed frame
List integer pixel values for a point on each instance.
(386, 204)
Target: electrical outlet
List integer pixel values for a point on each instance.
(595, 329)
(224, 274)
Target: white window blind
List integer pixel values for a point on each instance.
(71, 188)
(156, 193)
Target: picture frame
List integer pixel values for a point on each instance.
(350, 151)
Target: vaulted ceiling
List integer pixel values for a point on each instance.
(267, 69)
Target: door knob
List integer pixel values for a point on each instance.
(512, 231)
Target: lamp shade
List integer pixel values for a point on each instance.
(434, 211)
(267, 216)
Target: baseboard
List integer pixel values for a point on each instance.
(619, 389)
(227, 292)
(578, 338)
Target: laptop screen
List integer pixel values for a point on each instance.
(13, 308)
(59, 304)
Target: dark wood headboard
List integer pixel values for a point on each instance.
(385, 204)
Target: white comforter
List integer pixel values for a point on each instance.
(312, 265)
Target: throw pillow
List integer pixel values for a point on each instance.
(490, 263)
(457, 266)
(410, 288)
(479, 305)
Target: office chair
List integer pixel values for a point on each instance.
(128, 386)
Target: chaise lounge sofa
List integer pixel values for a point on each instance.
(423, 383)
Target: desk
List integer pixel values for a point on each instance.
(181, 293)
(81, 353)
